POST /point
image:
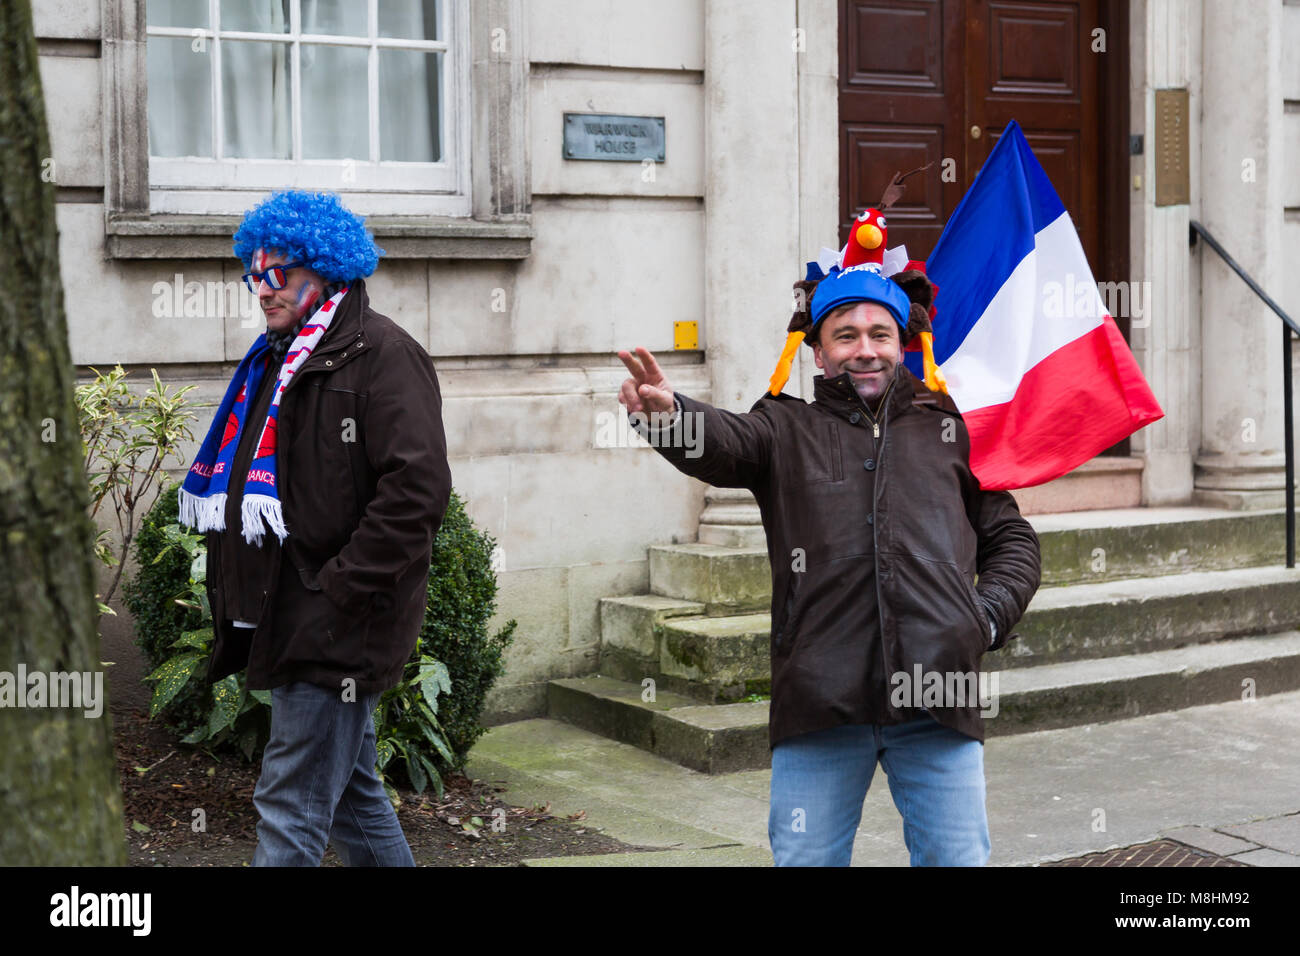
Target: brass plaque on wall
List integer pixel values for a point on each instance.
(1173, 178)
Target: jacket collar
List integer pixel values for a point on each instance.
(350, 321)
(839, 395)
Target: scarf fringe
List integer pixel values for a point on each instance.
(254, 509)
(203, 514)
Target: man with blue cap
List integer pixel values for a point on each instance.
(876, 528)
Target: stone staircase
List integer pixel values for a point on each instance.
(1140, 611)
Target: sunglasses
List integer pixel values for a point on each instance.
(276, 277)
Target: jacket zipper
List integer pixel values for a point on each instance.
(875, 425)
(879, 433)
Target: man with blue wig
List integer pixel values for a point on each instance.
(876, 528)
(321, 484)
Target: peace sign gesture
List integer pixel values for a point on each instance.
(647, 390)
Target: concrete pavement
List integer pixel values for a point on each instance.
(1227, 775)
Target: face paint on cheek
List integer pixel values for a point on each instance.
(307, 297)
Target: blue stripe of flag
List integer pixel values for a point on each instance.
(987, 236)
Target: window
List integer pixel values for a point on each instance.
(365, 97)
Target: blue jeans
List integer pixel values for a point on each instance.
(936, 777)
(318, 784)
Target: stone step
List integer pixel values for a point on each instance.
(714, 659)
(711, 738)
(721, 659)
(725, 580)
(1113, 688)
(717, 658)
(1114, 618)
(631, 631)
(1091, 546)
(723, 738)
(1078, 548)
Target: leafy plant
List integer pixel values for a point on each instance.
(430, 719)
(406, 723)
(162, 598)
(228, 710)
(126, 439)
(462, 602)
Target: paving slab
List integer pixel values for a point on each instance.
(627, 793)
(1051, 795)
(1278, 833)
(1211, 841)
(1062, 793)
(707, 856)
(1267, 857)
(621, 820)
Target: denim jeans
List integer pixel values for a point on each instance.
(318, 784)
(936, 777)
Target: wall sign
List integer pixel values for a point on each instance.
(601, 136)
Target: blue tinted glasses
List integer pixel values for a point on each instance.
(276, 277)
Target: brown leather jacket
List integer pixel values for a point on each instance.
(874, 542)
(364, 485)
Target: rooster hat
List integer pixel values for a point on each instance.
(865, 271)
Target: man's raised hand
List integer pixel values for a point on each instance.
(647, 390)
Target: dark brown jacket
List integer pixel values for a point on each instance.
(874, 544)
(364, 485)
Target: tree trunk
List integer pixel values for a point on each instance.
(60, 802)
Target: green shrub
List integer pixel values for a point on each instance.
(431, 718)
(462, 600)
(151, 597)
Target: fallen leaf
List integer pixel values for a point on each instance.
(139, 827)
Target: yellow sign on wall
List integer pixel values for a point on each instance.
(686, 335)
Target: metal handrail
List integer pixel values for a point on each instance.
(1288, 326)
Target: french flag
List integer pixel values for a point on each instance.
(1042, 376)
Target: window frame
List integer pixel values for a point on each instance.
(195, 184)
(492, 221)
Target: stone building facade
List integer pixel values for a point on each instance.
(523, 271)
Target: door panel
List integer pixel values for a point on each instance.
(1032, 62)
(901, 106)
(938, 80)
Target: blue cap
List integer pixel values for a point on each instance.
(859, 284)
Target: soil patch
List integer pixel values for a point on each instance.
(165, 782)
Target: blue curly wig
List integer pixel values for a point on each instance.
(315, 228)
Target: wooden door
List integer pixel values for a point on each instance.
(938, 80)
(902, 105)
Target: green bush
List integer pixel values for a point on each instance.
(431, 718)
(462, 600)
(151, 597)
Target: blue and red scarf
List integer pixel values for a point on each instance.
(203, 493)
